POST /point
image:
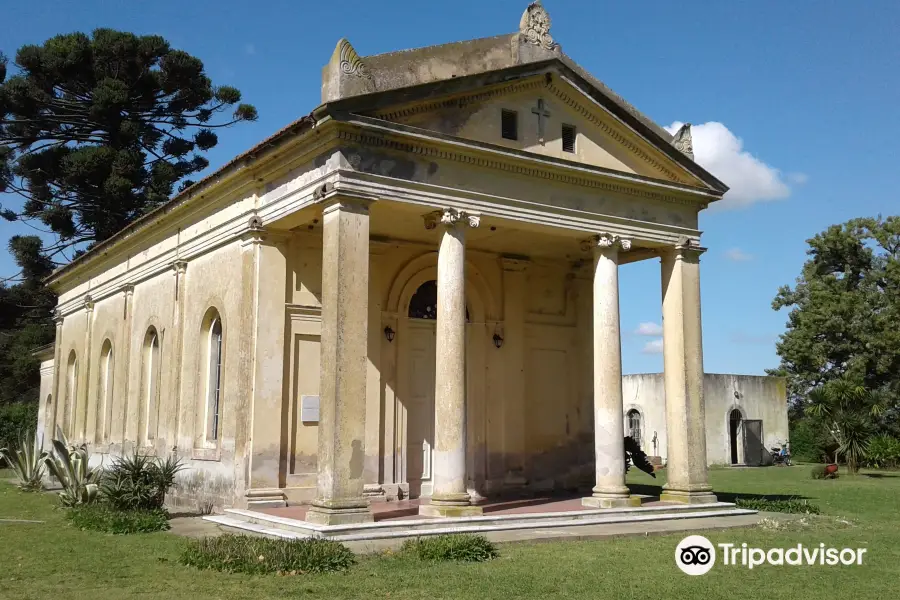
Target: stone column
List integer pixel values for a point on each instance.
(58, 375)
(450, 498)
(342, 427)
(81, 421)
(174, 421)
(683, 362)
(609, 427)
(124, 370)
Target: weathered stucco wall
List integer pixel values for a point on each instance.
(757, 397)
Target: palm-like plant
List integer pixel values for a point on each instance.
(69, 465)
(847, 409)
(26, 462)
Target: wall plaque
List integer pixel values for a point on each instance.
(309, 409)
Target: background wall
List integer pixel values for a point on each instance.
(757, 397)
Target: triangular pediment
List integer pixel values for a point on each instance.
(548, 105)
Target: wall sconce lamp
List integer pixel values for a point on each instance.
(389, 333)
(498, 341)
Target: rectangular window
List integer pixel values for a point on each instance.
(568, 138)
(509, 125)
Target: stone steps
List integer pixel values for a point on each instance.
(273, 526)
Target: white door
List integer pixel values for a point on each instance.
(420, 415)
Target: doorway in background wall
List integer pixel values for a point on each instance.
(735, 432)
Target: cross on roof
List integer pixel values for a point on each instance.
(541, 112)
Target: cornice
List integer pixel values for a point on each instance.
(423, 148)
(458, 101)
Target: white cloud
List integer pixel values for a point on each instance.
(649, 328)
(738, 255)
(751, 180)
(250, 49)
(653, 347)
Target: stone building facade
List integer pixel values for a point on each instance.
(411, 291)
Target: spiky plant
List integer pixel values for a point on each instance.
(69, 465)
(26, 462)
(847, 409)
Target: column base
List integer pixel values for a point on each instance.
(450, 505)
(611, 501)
(700, 497)
(347, 512)
(449, 511)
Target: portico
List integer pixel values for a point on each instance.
(410, 293)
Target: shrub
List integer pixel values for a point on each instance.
(69, 465)
(102, 517)
(139, 482)
(809, 441)
(25, 461)
(883, 452)
(821, 472)
(790, 505)
(256, 556)
(471, 548)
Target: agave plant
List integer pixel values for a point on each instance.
(26, 462)
(69, 465)
(139, 482)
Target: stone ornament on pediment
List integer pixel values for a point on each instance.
(683, 141)
(451, 217)
(535, 26)
(350, 61)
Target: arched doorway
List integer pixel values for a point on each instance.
(422, 354)
(633, 426)
(734, 434)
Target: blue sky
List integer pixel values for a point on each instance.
(795, 104)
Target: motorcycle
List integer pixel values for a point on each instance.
(781, 455)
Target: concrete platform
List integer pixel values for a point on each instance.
(503, 521)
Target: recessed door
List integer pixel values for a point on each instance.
(420, 415)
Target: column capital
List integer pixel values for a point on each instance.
(88, 303)
(451, 217)
(687, 249)
(128, 289)
(354, 205)
(58, 317)
(605, 242)
(514, 263)
(179, 266)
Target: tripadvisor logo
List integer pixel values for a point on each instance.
(696, 555)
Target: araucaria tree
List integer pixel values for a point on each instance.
(843, 329)
(95, 131)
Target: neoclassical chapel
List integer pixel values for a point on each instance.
(410, 292)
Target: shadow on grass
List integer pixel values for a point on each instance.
(656, 490)
(880, 475)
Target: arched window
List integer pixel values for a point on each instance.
(104, 392)
(71, 395)
(150, 384)
(634, 425)
(213, 393)
(423, 304)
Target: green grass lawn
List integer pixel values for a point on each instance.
(53, 560)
